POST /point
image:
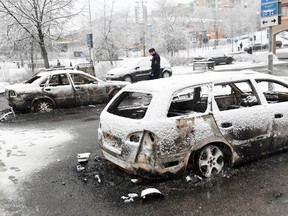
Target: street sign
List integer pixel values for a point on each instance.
(270, 13)
(267, 1)
(270, 21)
(205, 40)
(269, 9)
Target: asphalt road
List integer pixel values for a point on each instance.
(56, 188)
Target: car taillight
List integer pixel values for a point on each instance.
(135, 137)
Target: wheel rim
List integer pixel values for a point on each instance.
(166, 75)
(44, 106)
(128, 79)
(211, 161)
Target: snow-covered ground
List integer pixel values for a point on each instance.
(36, 149)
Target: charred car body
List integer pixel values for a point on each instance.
(204, 122)
(61, 88)
(137, 69)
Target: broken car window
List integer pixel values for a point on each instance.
(235, 95)
(189, 101)
(80, 79)
(274, 92)
(131, 105)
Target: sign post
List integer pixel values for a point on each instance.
(270, 16)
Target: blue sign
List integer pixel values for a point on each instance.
(269, 9)
(267, 1)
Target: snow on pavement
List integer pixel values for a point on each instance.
(23, 151)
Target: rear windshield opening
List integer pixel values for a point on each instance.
(131, 105)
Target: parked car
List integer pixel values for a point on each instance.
(203, 122)
(259, 46)
(256, 46)
(217, 56)
(137, 69)
(86, 67)
(60, 88)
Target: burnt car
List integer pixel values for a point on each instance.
(202, 122)
(217, 56)
(138, 69)
(60, 88)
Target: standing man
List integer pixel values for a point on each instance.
(241, 45)
(155, 64)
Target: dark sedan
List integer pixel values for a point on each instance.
(217, 56)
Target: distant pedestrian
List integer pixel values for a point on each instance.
(155, 64)
(58, 63)
(241, 46)
(250, 50)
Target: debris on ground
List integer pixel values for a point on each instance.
(5, 116)
(97, 158)
(97, 177)
(83, 157)
(151, 192)
(80, 168)
(130, 197)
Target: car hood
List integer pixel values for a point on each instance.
(119, 71)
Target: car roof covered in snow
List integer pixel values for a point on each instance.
(182, 81)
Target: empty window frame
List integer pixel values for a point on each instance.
(188, 101)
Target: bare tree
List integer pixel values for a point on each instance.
(41, 20)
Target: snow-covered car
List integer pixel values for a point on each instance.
(137, 69)
(217, 56)
(203, 122)
(60, 88)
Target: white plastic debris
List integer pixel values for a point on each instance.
(129, 198)
(83, 157)
(80, 168)
(150, 192)
(132, 195)
(188, 179)
(134, 181)
(97, 177)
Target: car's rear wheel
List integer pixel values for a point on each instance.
(43, 106)
(210, 161)
(128, 78)
(166, 74)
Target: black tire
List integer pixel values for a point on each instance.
(128, 78)
(210, 161)
(166, 74)
(43, 106)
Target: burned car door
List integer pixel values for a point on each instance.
(143, 70)
(276, 94)
(190, 120)
(241, 118)
(88, 90)
(59, 88)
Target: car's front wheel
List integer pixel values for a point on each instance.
(210, 161)
(128, 78)
(43, 106)
(166, 74)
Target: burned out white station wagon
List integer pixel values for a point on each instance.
(204, 122)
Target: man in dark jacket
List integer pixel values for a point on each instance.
(155, 64)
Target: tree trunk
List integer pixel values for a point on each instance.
(43, 48)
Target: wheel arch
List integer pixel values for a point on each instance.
(35, 100)
(230, 154)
